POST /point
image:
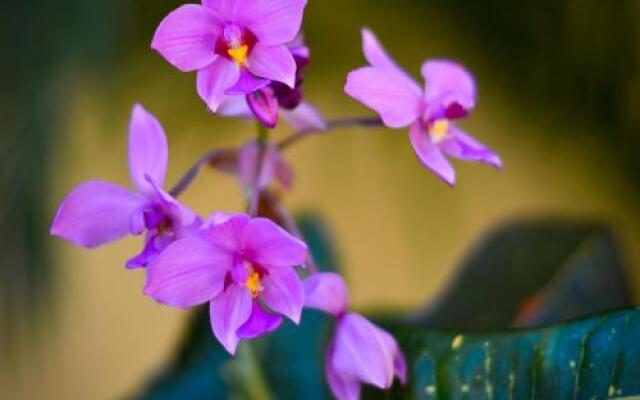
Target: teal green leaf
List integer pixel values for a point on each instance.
(592, 358)
(533, 272)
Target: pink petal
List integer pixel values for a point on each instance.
(225, 231)
(264, 105)
(464, 147)
(397, 102)
(215, 79)
(283, 292)
(181, 215)
(326, 291)
(228, 312)
(247, 159)
(187, 37)
(430, 155)
(304, 118)
(94, 213)
(377, 56)
(450, 89)
(283, 171)
(365, 351)
(235, 106)
(268, 245)
(247, 84)
(273, 22)
(260, 323)
(399, 364)
(226, 10)
(187, 273)
(148, 150)
(273, 62)
(343, 387)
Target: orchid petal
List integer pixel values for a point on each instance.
(365, 351)
(180, 215)
(326, 291)
(228, 312)
(273, 22)
(259, 323)
(378, 57)
(148, 150)
(430, 155)
(215, 79)
(247, 84)
(187, 273)
(450, 89)
(226, 233)
(148, 254)
(247, 160)
(273, 62)
(304, 118)
(283, 292)
(264, 105)
(94, 213)
(268, 245)
(283, 171)
(226, 10)
(465, 147)
(235, 106)
(397, 102)
(342, 387)
(186, 37)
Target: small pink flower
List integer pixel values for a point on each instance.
(242, 266)
(97, 212)
(359, 351)
(237, 46)
(449, 94)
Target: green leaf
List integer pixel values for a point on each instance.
(593, 358)
(533, 272)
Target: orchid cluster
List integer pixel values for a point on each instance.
(254, 269)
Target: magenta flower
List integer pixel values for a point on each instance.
(243, 266)
(450, 93)
(97, 212)
(279, 100)
(237, 46)
(359, 351)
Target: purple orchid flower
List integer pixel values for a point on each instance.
(239, 264)
(98, 212)
(450, 94)
(237, 46)
(359, 351)
(276, 99)
(274, 167)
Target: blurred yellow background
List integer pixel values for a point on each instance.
(400, 231)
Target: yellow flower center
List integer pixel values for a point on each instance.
(239, 54)
(253, 283)
(439, 129)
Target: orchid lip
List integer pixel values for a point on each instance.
(236, 44)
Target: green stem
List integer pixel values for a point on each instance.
(262, 139)
(247, 372)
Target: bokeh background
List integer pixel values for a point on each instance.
(559, 85)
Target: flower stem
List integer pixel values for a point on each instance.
(246, 371)
(331, 125)
(225, 159)
(262, 139)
